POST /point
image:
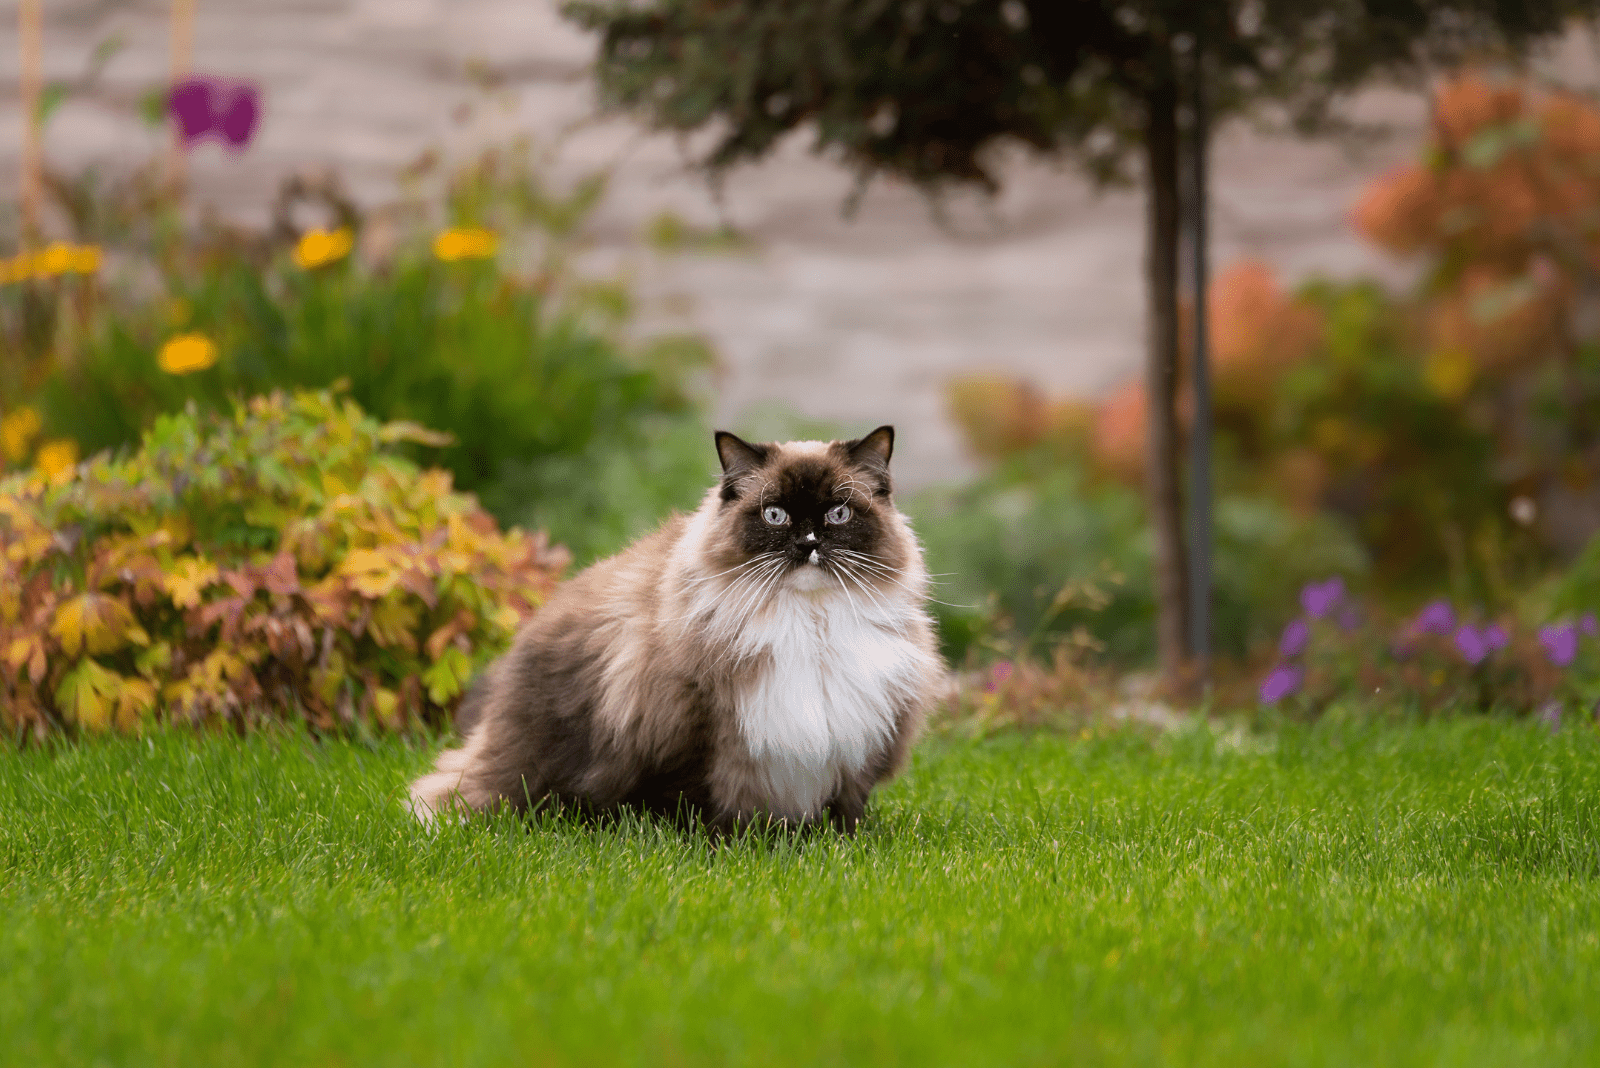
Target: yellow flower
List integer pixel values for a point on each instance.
(471, 243)
(17, 432)
(319, 247)
(58, 258)
(57, 459)
(187, 353)
(85, 259)
(1449, 373)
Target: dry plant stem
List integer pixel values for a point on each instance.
(182, 54)
(30, 35)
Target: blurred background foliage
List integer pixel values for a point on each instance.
(561, 416)
(1443, 439)
(1436, 441)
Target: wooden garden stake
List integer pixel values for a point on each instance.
(181, 45)
(30, 16)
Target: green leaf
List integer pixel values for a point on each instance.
(153, 106)
(88, 695)
(50, 98)
(448, 676)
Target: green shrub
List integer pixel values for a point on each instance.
(1034, 550)
(280, 561)
(561, 418)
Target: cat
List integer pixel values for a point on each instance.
(766, 658)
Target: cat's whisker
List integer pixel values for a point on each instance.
(870, 561)
(856, 611)
(884, 569)
(876, 571)
(867, 592)
(740, 611)
(863, 560)
(848, 485)
(746, 607)
(706, 611)
(702, 580)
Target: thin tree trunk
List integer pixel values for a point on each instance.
(1199, 377)
(1162, 468)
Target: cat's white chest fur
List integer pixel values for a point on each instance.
(824, 701)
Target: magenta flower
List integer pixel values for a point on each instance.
(1437, 618)
(1588, 625)
(998, 674)
(1295, 638)
(1349, 617)
(1282, 682)
(211, 106)
(1476, 643)
(1320, 598)
(1560, 643)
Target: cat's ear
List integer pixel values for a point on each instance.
(739, 458)
(873, 450)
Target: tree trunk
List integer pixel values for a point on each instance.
(1162, 468)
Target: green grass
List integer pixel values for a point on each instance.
(1403, 895)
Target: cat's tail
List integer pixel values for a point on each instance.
(449, 787)
(445, 787)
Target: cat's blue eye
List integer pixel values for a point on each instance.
(839, 513)
(774, 515)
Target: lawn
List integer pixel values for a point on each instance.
(1340, 895)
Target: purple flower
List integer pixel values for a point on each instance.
(1349, 617)
(1560, 643)
(1283, 681)
(202, 106)
(1319, 598)
(1475, 644)
(1295, 638)
(1437, 618)
(1588, 624)
(1550, 715)
(998, 676)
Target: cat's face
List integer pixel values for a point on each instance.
(811, 515)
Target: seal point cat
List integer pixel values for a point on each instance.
(766, 658)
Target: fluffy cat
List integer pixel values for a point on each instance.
(767, 657)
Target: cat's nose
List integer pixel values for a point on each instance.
(810, 538)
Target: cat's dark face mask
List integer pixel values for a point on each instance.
(818, 508)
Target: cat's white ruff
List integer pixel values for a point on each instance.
(824, 700)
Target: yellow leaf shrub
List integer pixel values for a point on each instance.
(282, 562)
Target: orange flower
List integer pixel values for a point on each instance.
(1468, 104)
(1400, 210)
(1119, 433)
(1493, 321)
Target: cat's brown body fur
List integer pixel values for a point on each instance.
(726, 665)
